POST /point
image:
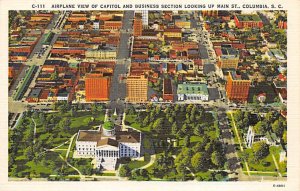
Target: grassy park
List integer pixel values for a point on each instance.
(38, 145)
(185, 140)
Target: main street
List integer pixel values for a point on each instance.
(118, 86)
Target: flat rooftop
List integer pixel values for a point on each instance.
(241, 76)
(229, 51)
(248, 17)
(192, 89)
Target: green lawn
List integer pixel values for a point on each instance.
(194, 139)
(263, 173)
(131, 120)
(137, 164)
(266, 164)
(38, 168)
(107, 174)
(51, 163)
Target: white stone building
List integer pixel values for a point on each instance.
(270, 138)
(107, 146)
(192, 92)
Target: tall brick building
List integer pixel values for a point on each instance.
(237, 87)
(97, 87)
(138, 25)
(136, 89)
(248, 21)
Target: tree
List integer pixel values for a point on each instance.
(146, 121)
(216, 159)
(54, 76)
(80, 106)
(64, 124)
(157, 125)
(238, 115)
(151, 46)
(63, 108)
(198, 130)
(185, 128)
(171, 119)
(258, 128)
(277, 99)
(177, 108)
(157, 109)
(94, 109)
(284, 137)
(186, 141)
(139, 174)
(246, 119)
(260, 150)
(174, 128)
(124, 171)
(278, 128)
(189, 108)
(219, 176)
(269, 117)
(29, 153)
(255, 102)
(35, 115)
(197, 162)
(73, 112)
(42, 117)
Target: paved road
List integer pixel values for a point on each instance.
(127, 20)
(39, 45)
(16, 82)
(123, 51)
(118, 88)
(227, 139)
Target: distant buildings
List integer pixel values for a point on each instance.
(145, 16)
(102, 53)
(137, 89)
(168, 90)
(228, 58)
(237, 87)
(192, 92)
(172, 33)
(137, 25)
(248, 21)
(210, 13)
(97, 87)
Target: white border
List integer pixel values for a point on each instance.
(292, 182)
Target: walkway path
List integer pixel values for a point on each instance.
(71, 141)
(262, 172)
(80, 175)
(239, 139)
(106, 115)
(276, 164)
(152, 160)
(34, 131)
(55, 148)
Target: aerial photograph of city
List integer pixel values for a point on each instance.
(147, 95)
